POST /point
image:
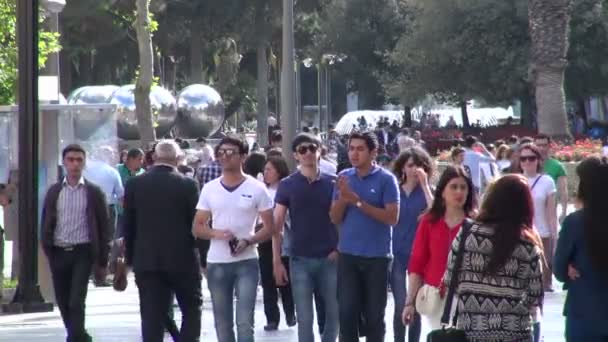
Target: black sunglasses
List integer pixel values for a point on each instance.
(528, 158)
(303, 148)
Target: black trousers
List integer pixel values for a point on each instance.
(155, 299)
(71, 268)
(269, 287)
(363, 284)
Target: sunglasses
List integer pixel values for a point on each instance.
(303, 148)
(530, 159)
(226, 152)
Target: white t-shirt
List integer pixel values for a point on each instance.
(545, 186)
(328, 167)
(235, 211)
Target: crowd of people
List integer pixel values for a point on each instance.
(333, 237)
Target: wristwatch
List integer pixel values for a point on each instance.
(359, 204)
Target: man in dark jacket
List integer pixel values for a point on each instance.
(159, 208)
(75, 238)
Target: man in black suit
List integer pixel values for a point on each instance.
(159, 207)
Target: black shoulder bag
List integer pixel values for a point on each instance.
(451, 334)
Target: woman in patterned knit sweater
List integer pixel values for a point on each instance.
(500, 282)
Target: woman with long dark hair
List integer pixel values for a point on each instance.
(500, 277)
(413, 169)
(275, 169)
(452, 203)
(581, 257)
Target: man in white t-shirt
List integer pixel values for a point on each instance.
(235, 201)
(476, 153)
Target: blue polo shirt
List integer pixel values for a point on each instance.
(410, 209)
(360, 234)
(312, 234)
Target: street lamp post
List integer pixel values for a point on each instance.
(288, 81)
(27, 296)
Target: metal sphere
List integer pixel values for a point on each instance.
(201, 111)
(163, 105)
(87, 122)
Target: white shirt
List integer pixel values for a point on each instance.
(545, 186)
(605, 151)
(235, 211)
(472, 161)
(107, 178)
(327, 167)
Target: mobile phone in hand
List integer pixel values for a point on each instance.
(233, 243)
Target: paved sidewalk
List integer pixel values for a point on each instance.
(114, 317)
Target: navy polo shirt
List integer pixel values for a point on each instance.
(360, 234)
(410, 209)
(312, 234)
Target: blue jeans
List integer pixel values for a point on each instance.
(399, 288)
(308, 275)
(224, 280)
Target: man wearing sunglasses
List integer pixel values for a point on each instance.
(235, 201)
(75, 238)
(313, 238)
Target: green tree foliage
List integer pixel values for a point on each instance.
(47, 43)
(462, 49)
(366, 31)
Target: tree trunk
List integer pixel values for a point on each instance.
(407, 116)
(465, 114)
(196, 52)
(262, 95)
(143, 85)
(549, 23)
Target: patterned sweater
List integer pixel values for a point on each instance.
(496, 307)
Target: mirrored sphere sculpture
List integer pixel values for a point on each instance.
(164, 111)
(201, 111)
(88, 121)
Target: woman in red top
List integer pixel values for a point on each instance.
(436, 230)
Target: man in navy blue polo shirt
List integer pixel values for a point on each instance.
(366, 205)
(313, 239)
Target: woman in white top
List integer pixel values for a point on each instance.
(545, 204)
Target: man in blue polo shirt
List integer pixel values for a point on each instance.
(313, 239)
(366, 205)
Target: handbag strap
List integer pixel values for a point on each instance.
(445, 318)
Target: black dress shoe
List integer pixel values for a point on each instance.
(271, 327)
(291, 322)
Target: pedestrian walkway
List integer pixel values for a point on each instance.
(114, 317)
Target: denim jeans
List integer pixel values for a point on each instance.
(225, 280)
(363, 284)
(308, 275)
(399, 288)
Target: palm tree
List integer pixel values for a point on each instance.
(549, 22)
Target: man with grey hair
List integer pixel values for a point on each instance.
(160, 246)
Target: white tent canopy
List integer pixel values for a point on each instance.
(345, 125)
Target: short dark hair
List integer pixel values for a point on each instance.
(304, 138)
(276, 136)
(469, 141)
(456, 151)
(274, 152)
(201, 140)
(254, 164)
(73, 148)
(370, 138)
(542, 136)
(235, 140)
(135, 153)
(306, 129)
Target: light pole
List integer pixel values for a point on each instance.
(288, 82)
(27, 296)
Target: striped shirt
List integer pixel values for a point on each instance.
(72, 227)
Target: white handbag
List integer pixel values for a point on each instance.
(429, 301)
